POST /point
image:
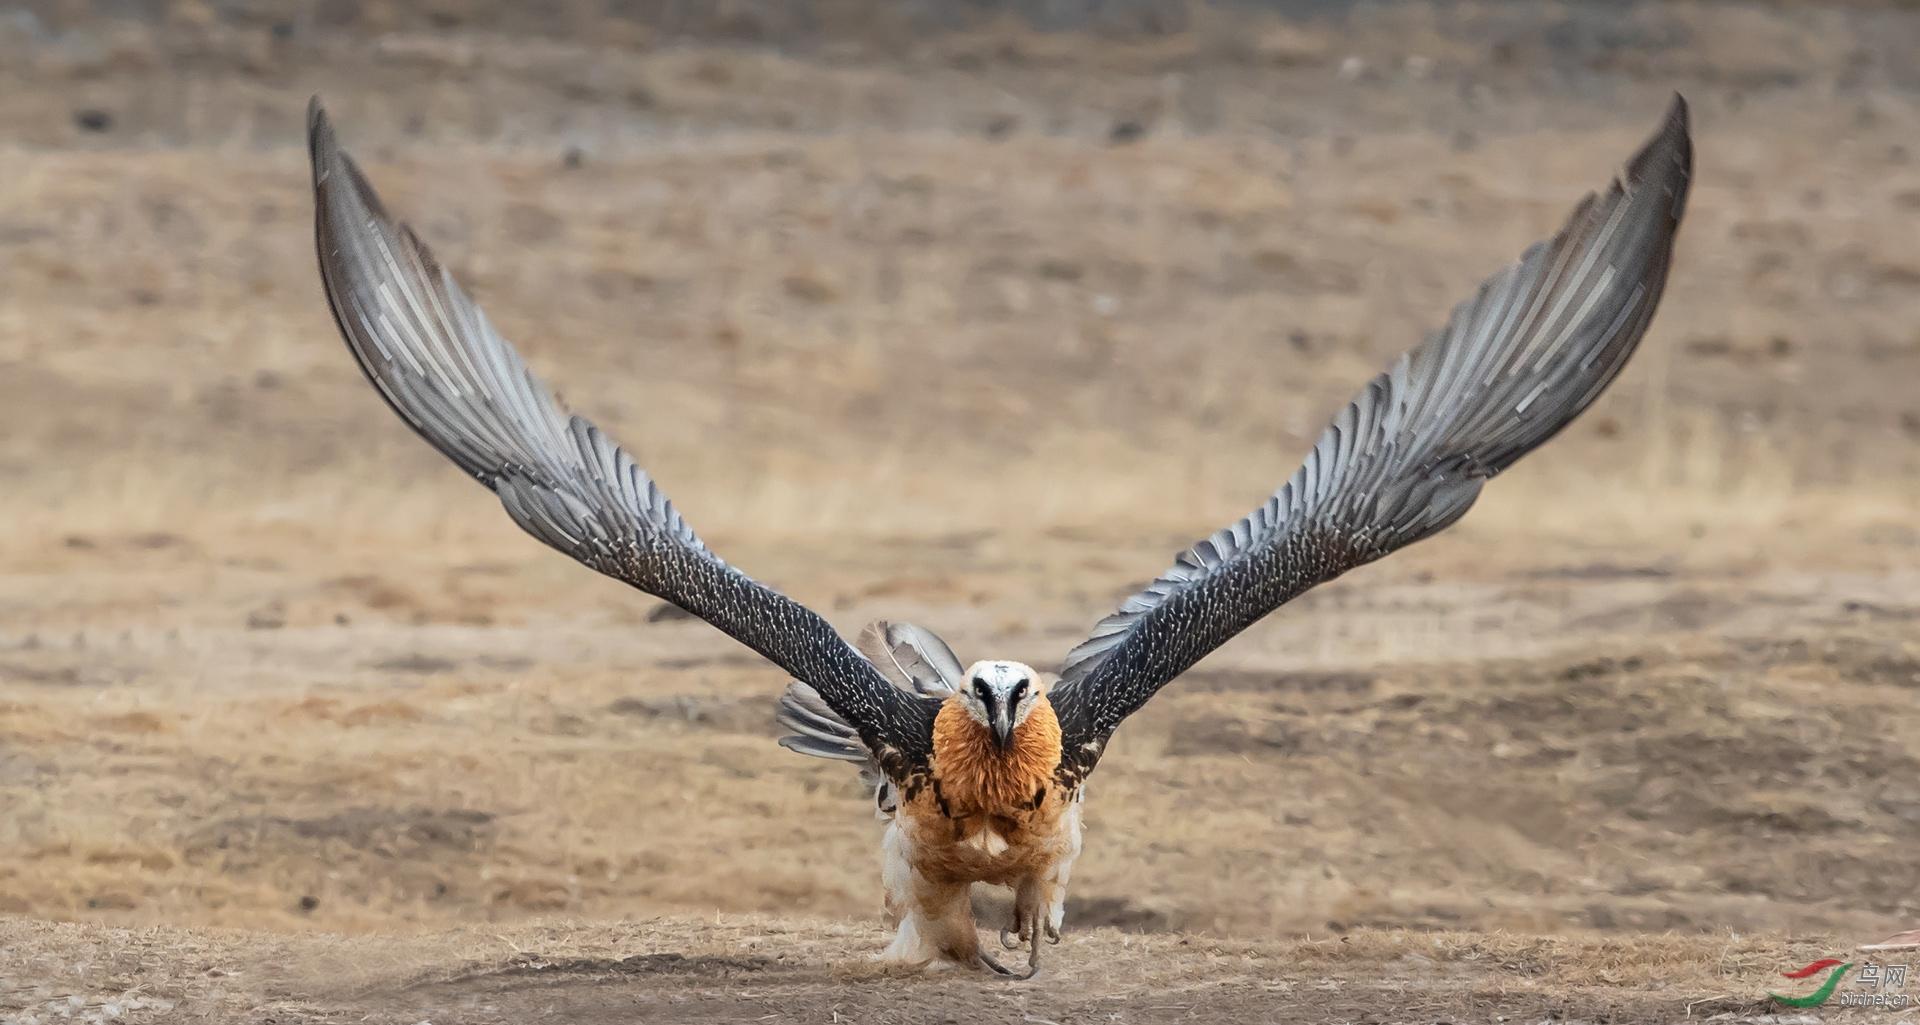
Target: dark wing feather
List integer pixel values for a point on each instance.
(433, 356)
(1514, 365)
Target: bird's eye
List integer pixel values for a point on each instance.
(980, 688)
(1019, 690)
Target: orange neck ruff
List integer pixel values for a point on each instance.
(977, 778)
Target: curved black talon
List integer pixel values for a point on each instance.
(1009, 941)
(1002, 970)
(1053, 935)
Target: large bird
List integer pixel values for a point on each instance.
(980, 769)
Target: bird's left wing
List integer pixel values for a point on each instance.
(1514, 365)
(440, 365)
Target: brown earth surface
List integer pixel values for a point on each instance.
(971, 319)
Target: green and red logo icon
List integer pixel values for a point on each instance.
(1825, 992)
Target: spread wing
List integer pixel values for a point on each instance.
(1407, 457)
(433, 356)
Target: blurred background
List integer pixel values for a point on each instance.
(970, 314)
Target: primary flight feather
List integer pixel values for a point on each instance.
(980, 770)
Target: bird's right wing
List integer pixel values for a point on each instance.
(431, 353)
(913, 658)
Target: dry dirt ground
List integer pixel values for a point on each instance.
(971, 319)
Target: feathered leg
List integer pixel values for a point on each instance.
(935, 919)
(1040, 903)
(1055, 904)
(1030, 902)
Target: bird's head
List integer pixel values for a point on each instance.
(999, 696)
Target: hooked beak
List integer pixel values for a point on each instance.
(1002, 725)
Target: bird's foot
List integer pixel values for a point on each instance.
(1026, 930)
(1053, 934)
(1019, 933)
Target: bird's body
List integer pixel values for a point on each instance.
(980, 771)
(988, 815)
(979, 786)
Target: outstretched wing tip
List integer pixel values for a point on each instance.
(1679, 116)
(1678, 120)
(323, 143)
(317, 121)
(1665, 161)
(333, 164)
